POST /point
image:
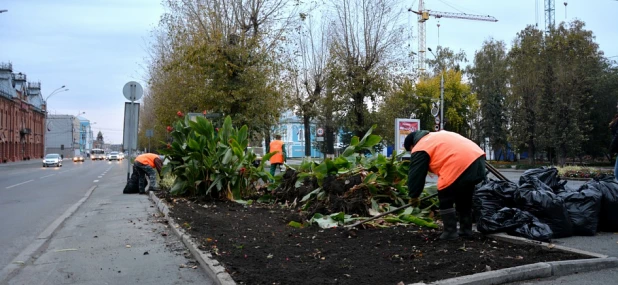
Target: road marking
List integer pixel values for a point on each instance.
(19, 184)
(99, 176)
(95, 181)
(47, 176)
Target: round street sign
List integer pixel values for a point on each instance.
(320, 131)
(133, 91)
(434, 111)
(436, 120)
(437, 127)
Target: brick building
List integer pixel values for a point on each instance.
(22, 117)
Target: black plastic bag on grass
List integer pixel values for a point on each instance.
(608, 215)
(537, 198)
(493, 196)
(505, 220)
(549, 176)
(584, 206)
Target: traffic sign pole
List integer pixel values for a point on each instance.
(132, 91)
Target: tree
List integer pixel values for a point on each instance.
(526, 89)
(489, 78)
(366, 43)
(223, 57)
(573, 69)
(309, 73)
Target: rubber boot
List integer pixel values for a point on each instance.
(465, 226)
(449, 218)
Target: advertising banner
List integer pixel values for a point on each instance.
(402, 128)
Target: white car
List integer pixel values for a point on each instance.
(113, 156)
(52, 159)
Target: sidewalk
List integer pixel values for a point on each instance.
(112, 239)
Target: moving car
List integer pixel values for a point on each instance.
(113, 156)
(52, 159)
(78, 158)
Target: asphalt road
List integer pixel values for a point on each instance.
(32, 197)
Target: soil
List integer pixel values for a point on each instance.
(256, 246)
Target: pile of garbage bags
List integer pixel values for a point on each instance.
(541, 207)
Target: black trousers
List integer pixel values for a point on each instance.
(461, 191)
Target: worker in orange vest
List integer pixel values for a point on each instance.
(459, 164)
(280, 157)
(145, 165)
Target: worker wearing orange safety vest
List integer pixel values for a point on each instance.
(459, 164)
(280, 157)
(145, 166)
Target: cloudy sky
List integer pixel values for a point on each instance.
(95, 46)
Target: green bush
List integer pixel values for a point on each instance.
(209, 162)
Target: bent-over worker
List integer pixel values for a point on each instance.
(459, 164)
(145, 165)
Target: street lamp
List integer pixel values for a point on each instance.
(441, 93)
(3, 11)
(56, 92)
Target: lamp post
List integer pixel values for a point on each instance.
(4, 11)
(441, 92)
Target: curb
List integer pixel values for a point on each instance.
(548, 246)
(536, 270)
(211, 266)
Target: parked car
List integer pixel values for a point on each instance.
(78, 158)
(113, 156)
(52, 159)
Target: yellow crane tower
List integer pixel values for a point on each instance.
(423, 16)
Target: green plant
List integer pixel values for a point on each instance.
(208, 161)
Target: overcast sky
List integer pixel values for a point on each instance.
(95, 46)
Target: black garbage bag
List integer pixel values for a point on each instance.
(493, 196)
(504, 220)
(537, 198)
(549, 176)
(608, 214)
(535, 230)
(132, 186)
(584, 206)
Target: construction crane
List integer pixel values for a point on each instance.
(550, 15)
(423, 16)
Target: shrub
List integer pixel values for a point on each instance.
(210, 162)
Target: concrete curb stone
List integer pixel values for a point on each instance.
(519, 273)
(211, 266)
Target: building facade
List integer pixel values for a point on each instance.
(292, 132)
(85, 136)
(22, 117)
(63, 135)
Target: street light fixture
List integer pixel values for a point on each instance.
(441, 92)
(58, 90)
(4, 11)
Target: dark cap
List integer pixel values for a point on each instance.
(408, 143)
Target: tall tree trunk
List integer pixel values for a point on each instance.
(267, 141)
(330, 139)
(307, 126)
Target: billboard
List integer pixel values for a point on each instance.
(402, 128)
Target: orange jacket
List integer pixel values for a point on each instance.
(276, 145)
(450, 154)
(150, 159)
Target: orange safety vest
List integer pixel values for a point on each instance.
(276, 145)
(147, 159)
(450, 154)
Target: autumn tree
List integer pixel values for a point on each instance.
(366, 53)
(221, 56)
